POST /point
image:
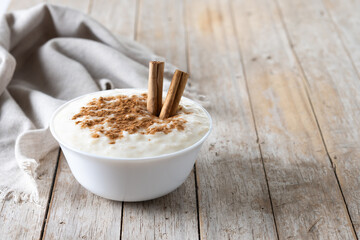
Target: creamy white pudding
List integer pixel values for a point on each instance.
(115, 123)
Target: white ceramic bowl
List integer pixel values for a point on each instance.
(130, 179)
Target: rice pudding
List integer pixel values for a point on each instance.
(116, 123)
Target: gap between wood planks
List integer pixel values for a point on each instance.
(122, 219)
(138, 9)
(136, 26)
(187, 55)
(48, 205)
(306, 84)
(321, 142)
(340, 38)
(55, 176)
(212, 28)
(353, 63)
(252, 115)
(196, 180)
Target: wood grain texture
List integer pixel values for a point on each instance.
(283, 80)
(21, 4)
(170, 217)
(233, 195)
(333, 85)
(306, 197)
(25, 220)
(160, 26)
(173, 216)
(116, 15)
(345, 15)
(75, 213)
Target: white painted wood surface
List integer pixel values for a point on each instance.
(341, 12)
(333, 85)
(118, 16)
(343, 142)
(282, 78)
(18, 5)
(233, 195)
(162, 29)
(175, 215)
(298, 169)
(75, 213)
(25, 221)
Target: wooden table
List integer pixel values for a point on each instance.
(283, 161)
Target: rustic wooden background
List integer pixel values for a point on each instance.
(283, 159)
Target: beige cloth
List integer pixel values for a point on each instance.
(50, 54)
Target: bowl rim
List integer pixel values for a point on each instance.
(117, 159)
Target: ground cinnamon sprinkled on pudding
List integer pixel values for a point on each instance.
(115, 118)
(112, 115)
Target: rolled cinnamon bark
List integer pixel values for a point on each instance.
(155, 87)
(174, 94)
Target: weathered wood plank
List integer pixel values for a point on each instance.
(161, 28)
(333, 85)
(303, 186)
(118, 16)
(21, 4)
(75, 213)
(345, 14)
(233, 195)
(173, 216)
(306, 197)
(25, 220)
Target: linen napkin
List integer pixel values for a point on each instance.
(50, 54)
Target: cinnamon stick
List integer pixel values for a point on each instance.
(155, 87)
(174, 94)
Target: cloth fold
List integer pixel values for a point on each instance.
(50, 54)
